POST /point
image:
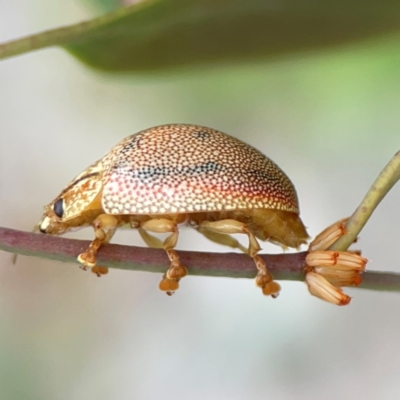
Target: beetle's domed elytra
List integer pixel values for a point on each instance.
(188, 168)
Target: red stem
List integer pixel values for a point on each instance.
(233, 265)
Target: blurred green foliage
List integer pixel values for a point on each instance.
(174, 33)
(104, 5)
(168, 34)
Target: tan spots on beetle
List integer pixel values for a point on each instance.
(173, 154)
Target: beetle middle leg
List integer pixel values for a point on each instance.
(176, 271)
(104, 228)
(263, 279)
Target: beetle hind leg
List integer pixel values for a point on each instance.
(223, 239)
(263, 279)
(176, 271)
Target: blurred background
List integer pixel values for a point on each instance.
(330, 119)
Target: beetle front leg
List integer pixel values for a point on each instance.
(176, 271)
(97, 269)
(104, 228)
(263, 279)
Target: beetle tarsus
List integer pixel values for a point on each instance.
(174, 274)
(169, 286)
(99, 271)
(264, 279)
(88, 258)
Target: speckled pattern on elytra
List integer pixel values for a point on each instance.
(188, 168)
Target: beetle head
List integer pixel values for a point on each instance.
(77, 205)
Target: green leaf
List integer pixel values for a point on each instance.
(152, 34)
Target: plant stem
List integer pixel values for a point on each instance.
(231, 265)
(65, 34)
(382, 185)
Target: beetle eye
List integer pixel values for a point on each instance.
(58, 207)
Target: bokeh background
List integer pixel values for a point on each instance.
(330, 119)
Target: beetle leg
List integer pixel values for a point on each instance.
(263, 279)
(176, 271)
(97, 269)
(104, 228)
(150, 240)
(222, 239)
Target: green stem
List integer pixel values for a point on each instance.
(64, 35)
(382, 185)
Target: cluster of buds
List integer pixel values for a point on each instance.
(327, 271)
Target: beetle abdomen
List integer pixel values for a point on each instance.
(190, 168)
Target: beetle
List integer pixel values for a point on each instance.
(169, 175)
